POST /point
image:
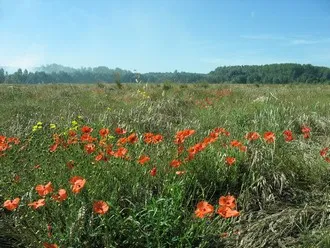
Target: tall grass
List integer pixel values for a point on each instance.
(282, 188)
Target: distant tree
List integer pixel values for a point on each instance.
(25, 76)
(17, 77)
(274, 73)
(2, 76)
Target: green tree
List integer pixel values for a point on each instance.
(2, 76)
(17, 77)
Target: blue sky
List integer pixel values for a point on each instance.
(164, 35)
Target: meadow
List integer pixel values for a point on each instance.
(165, 165)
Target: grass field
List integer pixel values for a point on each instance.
(250, 170)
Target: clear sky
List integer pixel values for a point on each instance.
(164, 35)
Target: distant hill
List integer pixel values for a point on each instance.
(55, 68)
(272, 73)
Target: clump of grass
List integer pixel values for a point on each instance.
(203, 84)
(167, 85)
(101, 85)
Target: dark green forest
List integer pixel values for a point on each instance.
(246, 74)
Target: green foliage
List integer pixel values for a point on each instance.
(273, 73)
(167, 85)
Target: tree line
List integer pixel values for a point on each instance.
(273, 74)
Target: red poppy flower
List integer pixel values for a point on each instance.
(203, 209)
(214, 135)
(132, 138)
(228, 201)
(60, 196)
(72, 133)
(109, 150)
(148, 135)
(179, 140)
(153, 171)
(175, 163)
(305, 129)
(157, 138)
(11, 204)
(53, 147)
(77, 183)
(44, 190)
(3, 147)
(143, 159)
(89, 148)
(56, 138)
(235, 143)
(72, 140)
(221, 130)
(122, 141)
(100, 207)
(86, 137)
(37, 204)
(104, 132)
(150, 138)
(230, 160)
(227, 205)
(227, 212)
(252, 136)
(269, 137)
(288, 135)
(287, 132)
(196, 148)
(86, 129)
(48, 245)
(99, 157)
(120, 153)
(119, 130)
(324, 152)
(208, 140)
(243, 148)
(181, 135)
